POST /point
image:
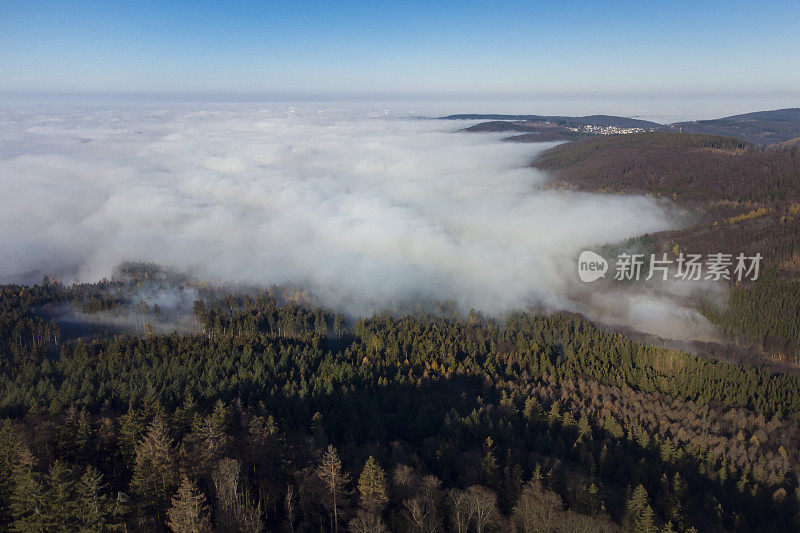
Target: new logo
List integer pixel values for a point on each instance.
(591, 266)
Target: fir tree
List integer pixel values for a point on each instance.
(639, 516)
(189, 512)
(372, 487)
(155, 472)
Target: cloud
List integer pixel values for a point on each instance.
(363, 210)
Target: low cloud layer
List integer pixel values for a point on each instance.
(363, 210)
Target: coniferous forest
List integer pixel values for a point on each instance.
(285, 416)
(395, 267)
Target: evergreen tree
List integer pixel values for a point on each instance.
(27, 502)
(155, 473)
(131, 429)
(189, 512)
(372, 487)
(489, 464)
(334, 481)
(8, 455)
(61, 512)
(639, 516)
(97, 511)
(589, 501)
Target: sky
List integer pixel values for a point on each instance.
(403, 49)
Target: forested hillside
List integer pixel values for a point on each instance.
(744, 199)
(762, 127)
(528, 131)
(285, 417)
(592, 120)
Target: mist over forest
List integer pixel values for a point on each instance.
(366, 211)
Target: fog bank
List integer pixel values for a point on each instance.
(363, 209)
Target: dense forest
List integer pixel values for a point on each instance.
(528, 131)
(743, 199)
(288, 417)
(779, 126)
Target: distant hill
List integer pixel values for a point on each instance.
(780, 127)
(790, 114)
(761, 127)
(501, 126)
(544, 136)
(592, 120)
(528, 131)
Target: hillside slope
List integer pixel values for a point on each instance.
(761, 127)
(746, 200)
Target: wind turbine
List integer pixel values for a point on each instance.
(385, 110)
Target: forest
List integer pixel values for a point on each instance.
(285, 416)
(742, 198)
(776, 127)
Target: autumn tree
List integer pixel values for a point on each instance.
(483, 505)
(289, 505)
(537, 509)
(235, 511)
(460, 510)
(366, 522)
(422, 511)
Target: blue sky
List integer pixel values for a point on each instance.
(401, 48)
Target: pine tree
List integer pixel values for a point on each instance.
(584, 427)
(60, 510)
(131, 430)
(532, 411)
(589, 501)
(335, 483)
(489, 464)
(372, 487)
(339, 325)
(639, 516)
(189, 512)
(155, 473)
(27, 496)
(8, 452)
(97, 511)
